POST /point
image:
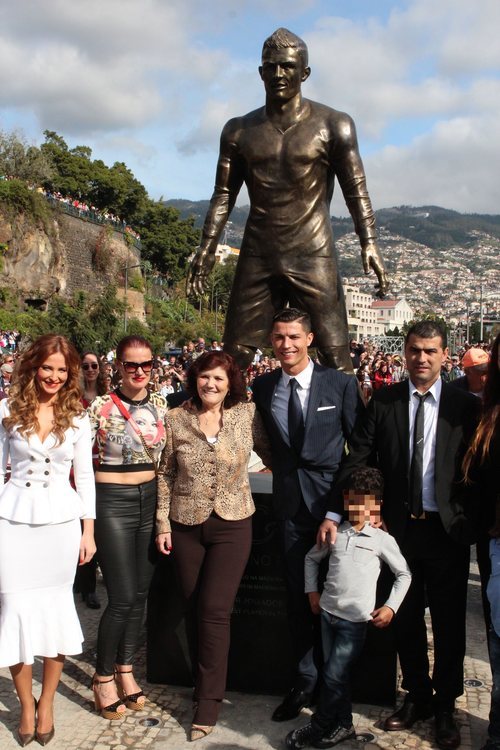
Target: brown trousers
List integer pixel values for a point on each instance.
(210, 560)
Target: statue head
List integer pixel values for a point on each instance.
(284, 65)
(284, 39)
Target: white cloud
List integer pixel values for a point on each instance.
(450, 166)
(151, 83)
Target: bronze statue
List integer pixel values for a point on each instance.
(288, 153)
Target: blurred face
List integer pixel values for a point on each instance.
(476, 377)
(361, 508)
(134, 376)
(290, 342)
(424, 359)
(90, 368)
(212, 387)
(51, 376)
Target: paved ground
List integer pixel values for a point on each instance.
(244, 720)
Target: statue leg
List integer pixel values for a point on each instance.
(250, 311)
(336, 357)
(315, 285)
(242, 354)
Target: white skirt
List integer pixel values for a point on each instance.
(37, 610)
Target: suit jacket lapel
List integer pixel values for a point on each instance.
(402, 419)
(444, 428)
(267, 399)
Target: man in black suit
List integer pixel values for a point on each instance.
(417, 432)
(309, 412)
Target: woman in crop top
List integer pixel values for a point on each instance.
(128, 449)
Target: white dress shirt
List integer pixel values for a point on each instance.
(431, 409)
(281, 396)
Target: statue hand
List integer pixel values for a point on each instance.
(201, 265)
(372, 259)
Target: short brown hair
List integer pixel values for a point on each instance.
(209, 361)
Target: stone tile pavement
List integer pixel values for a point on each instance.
(245, 719)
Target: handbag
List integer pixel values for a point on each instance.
(126, 414)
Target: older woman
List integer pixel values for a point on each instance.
(205, 508)
(130, 434)
(45, 430)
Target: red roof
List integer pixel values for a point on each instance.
(378, 303)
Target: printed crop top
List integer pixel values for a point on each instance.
(119, 447)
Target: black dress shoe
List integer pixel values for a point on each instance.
(292, 705)
(92, 601)
(447, 732)
(406, 716)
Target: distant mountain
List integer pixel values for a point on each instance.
(438, 259)
(438, 228)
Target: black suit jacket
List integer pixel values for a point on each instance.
(311, 474)
(381, 438)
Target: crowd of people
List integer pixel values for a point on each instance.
(85, 211)
(106, 458)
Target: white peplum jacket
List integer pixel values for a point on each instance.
(39, 489)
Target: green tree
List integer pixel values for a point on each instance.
(167, 240)
(23, 161)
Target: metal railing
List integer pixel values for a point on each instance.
(95, 217)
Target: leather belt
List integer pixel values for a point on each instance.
(427, 515)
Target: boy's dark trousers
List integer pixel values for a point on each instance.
(342, 645)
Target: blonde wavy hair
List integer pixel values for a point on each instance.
(23, 396)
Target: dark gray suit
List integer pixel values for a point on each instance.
(436, 548)
(302, 483)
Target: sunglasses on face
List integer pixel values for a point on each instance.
(131, 367)
(90, 366)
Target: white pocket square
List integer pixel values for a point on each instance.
(324, 408)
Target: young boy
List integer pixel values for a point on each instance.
(347, 604)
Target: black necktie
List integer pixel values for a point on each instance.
(295, 418)
(417, 459)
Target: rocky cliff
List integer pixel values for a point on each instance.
(66, 255)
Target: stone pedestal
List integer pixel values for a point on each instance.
(260, 657)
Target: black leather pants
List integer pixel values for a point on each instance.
(124, 538)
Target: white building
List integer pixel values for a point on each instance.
(392, 312)
(362, 319)
(223, 252)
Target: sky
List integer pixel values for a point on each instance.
(152, 82)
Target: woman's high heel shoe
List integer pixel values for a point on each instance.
(45, 737)
(134, 701)
(107, 712)
(24, 738)
(198, 731)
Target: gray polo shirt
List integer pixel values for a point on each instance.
(353, 571)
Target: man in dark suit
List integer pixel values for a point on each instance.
(416, 432)
(309, 412)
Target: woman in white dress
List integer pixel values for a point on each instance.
(45, 430)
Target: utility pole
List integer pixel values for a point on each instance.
(481, 310)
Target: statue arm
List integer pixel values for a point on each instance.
(228, 181)
(350, 173)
